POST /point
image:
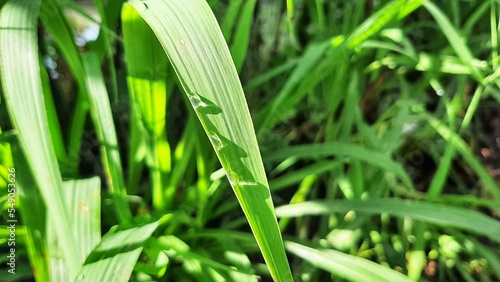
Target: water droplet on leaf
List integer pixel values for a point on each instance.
(232, 177)
(216, 141)
(195, 100)
(182, 42)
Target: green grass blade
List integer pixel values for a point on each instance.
(100, 111)
(376, 22)
(33, 214)
(300, 196)
(179, 248)
(311, 57)
(432, 63)
(108, 48)
(240, 40)
(192, 39)
(54, 126)
(147, 81)
(111, 15)
(438, 181)
(182, 157)
(341, 149)
(8, 137)
(20, 76)
(456, 42)
(463, 149)
(417, 256)
(344, 265)
(236, 255)
(272, 73)
(230, 18)
(54, 21)
(290, 9)
(441, 215)
(115, 256)
(76, 131)
(83, 198)
(319, 168)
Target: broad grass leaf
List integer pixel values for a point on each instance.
(191, 37)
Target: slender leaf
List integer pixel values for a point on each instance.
(191, 37)
(177, 247)
(341, 149)
(56, 24)
(34, 216)
(462, 148)
(241, 39)
(100, 110)
(83, 197)
(115, 256)
(456, 42)
(441, 215)
(147, 80)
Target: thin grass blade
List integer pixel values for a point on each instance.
(441, 215)
(83, 198)
(191, 37)
(115, 256)
(147, 81)
(456, 42)
(34, 216)
(239, 45)
(344, 265)
(56, 24)
(100, 111)
(342, 149)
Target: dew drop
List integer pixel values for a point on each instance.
(182, 42)
(232, 177)
(80, 277)
(216, 141)
(195, 100)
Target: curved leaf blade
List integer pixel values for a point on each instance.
(20, 77)
(191, 37)
(344, 265)
(438, 214)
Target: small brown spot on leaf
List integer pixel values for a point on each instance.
(83, 207)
